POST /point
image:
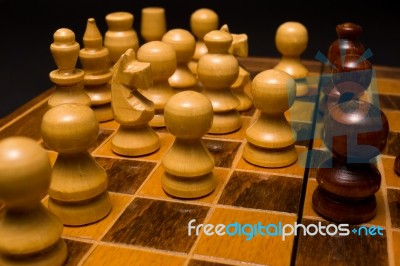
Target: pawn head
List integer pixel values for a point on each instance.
(69, 128)
(291, 38)
(25, 173)
(188, 115)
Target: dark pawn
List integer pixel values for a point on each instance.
(347, 43)
(355, 132)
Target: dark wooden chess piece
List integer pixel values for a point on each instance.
(347, 43)
(355, 131)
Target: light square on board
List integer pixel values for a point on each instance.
(392, 179)
(388, 86)
(393, 118)
(270, 250)
(122, 256)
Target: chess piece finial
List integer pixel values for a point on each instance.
(184, 45)
(217, 84)
(67, 78)
(188, 164)
(202, 21)
(162, 58)
(153, 23)
(95, 62)
(131, 109)
(348, 46)
(78, 191)
(347, 42)
(270, 140)
(30, 234)
(291, 40)
(120, 35)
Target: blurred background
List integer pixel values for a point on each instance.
(27, 28)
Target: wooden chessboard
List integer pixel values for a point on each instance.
(148, 227)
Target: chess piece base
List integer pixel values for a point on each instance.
(157, 121)
(269, 157)
(55, 255)
(103, 112)
(356, 181)
(225, 122)
(135, 141)
(188, 187)
(343, 210)
(245, 102)
(82, 212)
(99, 94)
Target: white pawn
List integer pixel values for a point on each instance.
(188, 164)
(120, 35)
(162, 58)
(202, 21)
(78, 191)
(270, 140)
(29, 233)
(217, 71)
(153, 23)
(183, 43)
(291, 40)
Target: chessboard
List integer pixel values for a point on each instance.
(148, 227)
